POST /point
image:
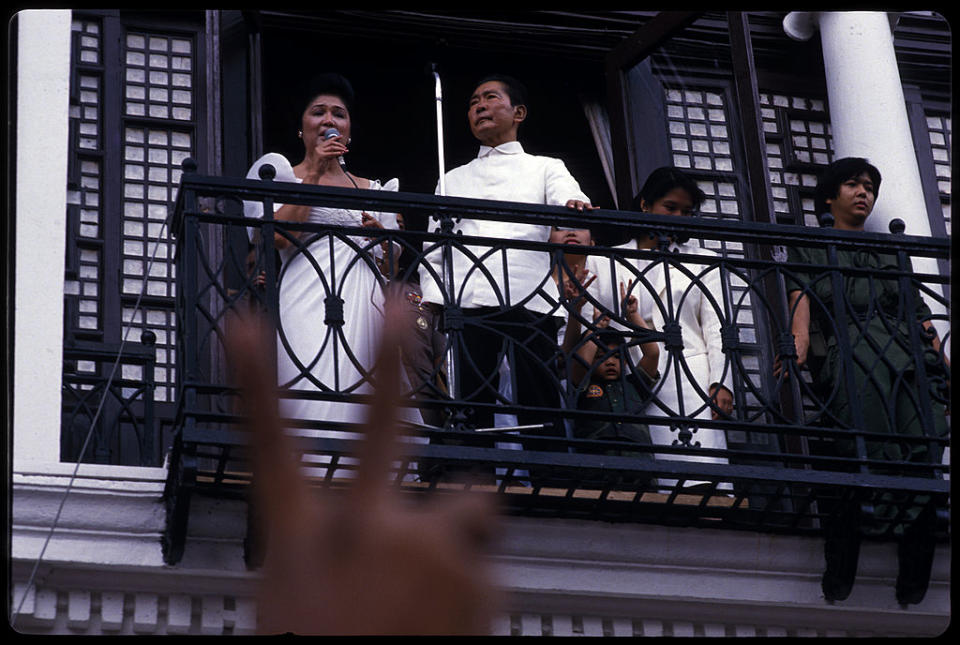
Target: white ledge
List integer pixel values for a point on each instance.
(30, 468)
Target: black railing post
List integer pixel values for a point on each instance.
(149, 440)
(182, 470)
(272, 286)
(254, 541)
(909, 294)
(757, 169)
(187, 271)
(918, 542)
(730, 339)
(452, 312)
(673, 344)
(267, 232)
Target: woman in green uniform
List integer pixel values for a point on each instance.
(874, 318)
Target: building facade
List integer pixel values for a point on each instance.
(109, 105)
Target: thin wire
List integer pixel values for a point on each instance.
(350, 177)
(93, 423)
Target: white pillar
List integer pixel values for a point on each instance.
(868, 112)
(868, 116)
(43, 83)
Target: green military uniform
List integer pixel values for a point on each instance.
(885, 374)
(628, 395)
(422, 356)
(620, 395)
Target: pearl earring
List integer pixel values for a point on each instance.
(299, 134)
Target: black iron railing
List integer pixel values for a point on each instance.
(790, 455)
(107, 409)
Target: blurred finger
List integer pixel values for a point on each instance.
(280, 489)
(379, 447)
(472, 516)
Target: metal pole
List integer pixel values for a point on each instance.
(448, 284)
(439, 96)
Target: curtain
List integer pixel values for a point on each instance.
(600, 127)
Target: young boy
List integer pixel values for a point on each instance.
(610, 389)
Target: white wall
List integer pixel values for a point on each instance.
(43, 84)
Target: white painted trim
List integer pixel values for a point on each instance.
(615, 568)
(588, 577)
(43, 83)
(103, 516)
(28, 468)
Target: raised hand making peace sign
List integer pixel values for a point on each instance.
(367, 560)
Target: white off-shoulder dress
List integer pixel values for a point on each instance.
(312, 355)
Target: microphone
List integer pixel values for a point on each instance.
(333, 133)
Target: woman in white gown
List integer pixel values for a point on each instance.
(691, 301)
(323, 274)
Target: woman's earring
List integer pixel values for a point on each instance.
(349, 140)
(299, 134)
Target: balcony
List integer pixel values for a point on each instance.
(789, 462)
(108, 404)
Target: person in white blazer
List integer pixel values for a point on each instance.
(691, 297)
(498, 291)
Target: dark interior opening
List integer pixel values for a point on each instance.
(394, 119)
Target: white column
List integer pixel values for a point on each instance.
(868, 112)
(868, 115)
(43, 83)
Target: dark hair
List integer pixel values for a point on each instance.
(606, 337)
(828, 184)
(326, 83)
(515, 89)
(664, 179)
